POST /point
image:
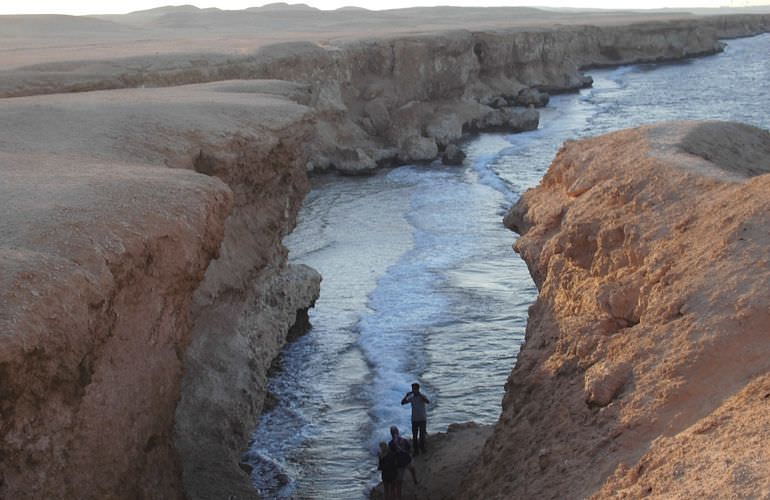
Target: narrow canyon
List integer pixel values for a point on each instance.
(145, 290)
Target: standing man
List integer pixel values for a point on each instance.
(419, 416)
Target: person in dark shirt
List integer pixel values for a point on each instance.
(400, 447)
(388, 464)
(419, 417)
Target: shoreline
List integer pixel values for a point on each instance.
(235, 301)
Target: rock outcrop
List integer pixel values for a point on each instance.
(99, 264)
(646, 365)
(434, 86)
(129, 287)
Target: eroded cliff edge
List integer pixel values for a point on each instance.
(404, 98)
(145, 286)
(646, 365)
(99, 262)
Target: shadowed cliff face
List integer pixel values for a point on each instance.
(242, 312)
(646, 358)
(119, 278)
(99, 264)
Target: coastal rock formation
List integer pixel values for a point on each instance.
(646, 365)
(433, 85)
(227, 360)
(437, 86)
(99, 265)
(145, 196)
(531, 97)
(112, 268)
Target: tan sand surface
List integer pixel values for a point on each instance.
(32, 40)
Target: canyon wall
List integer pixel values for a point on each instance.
(646, 365)
(435, 86)
(99, 264)
(168, 282)
(145, 286)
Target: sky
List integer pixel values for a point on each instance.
(81, 7)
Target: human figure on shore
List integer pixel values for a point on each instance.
(388, 464)
(400, 447)
(419, 417)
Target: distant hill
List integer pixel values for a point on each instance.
(283, 6)
(151, 16)
(464, 12)
(165, 10)
(49, 25)
(352, 8)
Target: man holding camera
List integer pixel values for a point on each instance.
(419, 417)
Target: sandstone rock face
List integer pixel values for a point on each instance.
(435, 86)
(99, 264)
(646, 361)
(236, 340)
(432, 85)
(112, 269)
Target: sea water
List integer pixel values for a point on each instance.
(420, 282)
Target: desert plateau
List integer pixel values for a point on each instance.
(153, 166)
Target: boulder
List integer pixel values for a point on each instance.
(353, 161)
(520, 120)
(453, 155)
(418, 149)
(506, 120)
(495, 101)
(445, 128)
(531, 97)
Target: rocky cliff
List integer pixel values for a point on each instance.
(435, 86)
(145, 285)
(99, 265)
(646, 361)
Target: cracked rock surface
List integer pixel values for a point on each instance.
(645, 369)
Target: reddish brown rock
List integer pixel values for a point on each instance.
(645, 367)
(99, 263)
(143, 305)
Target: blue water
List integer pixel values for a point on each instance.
(421, 284)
